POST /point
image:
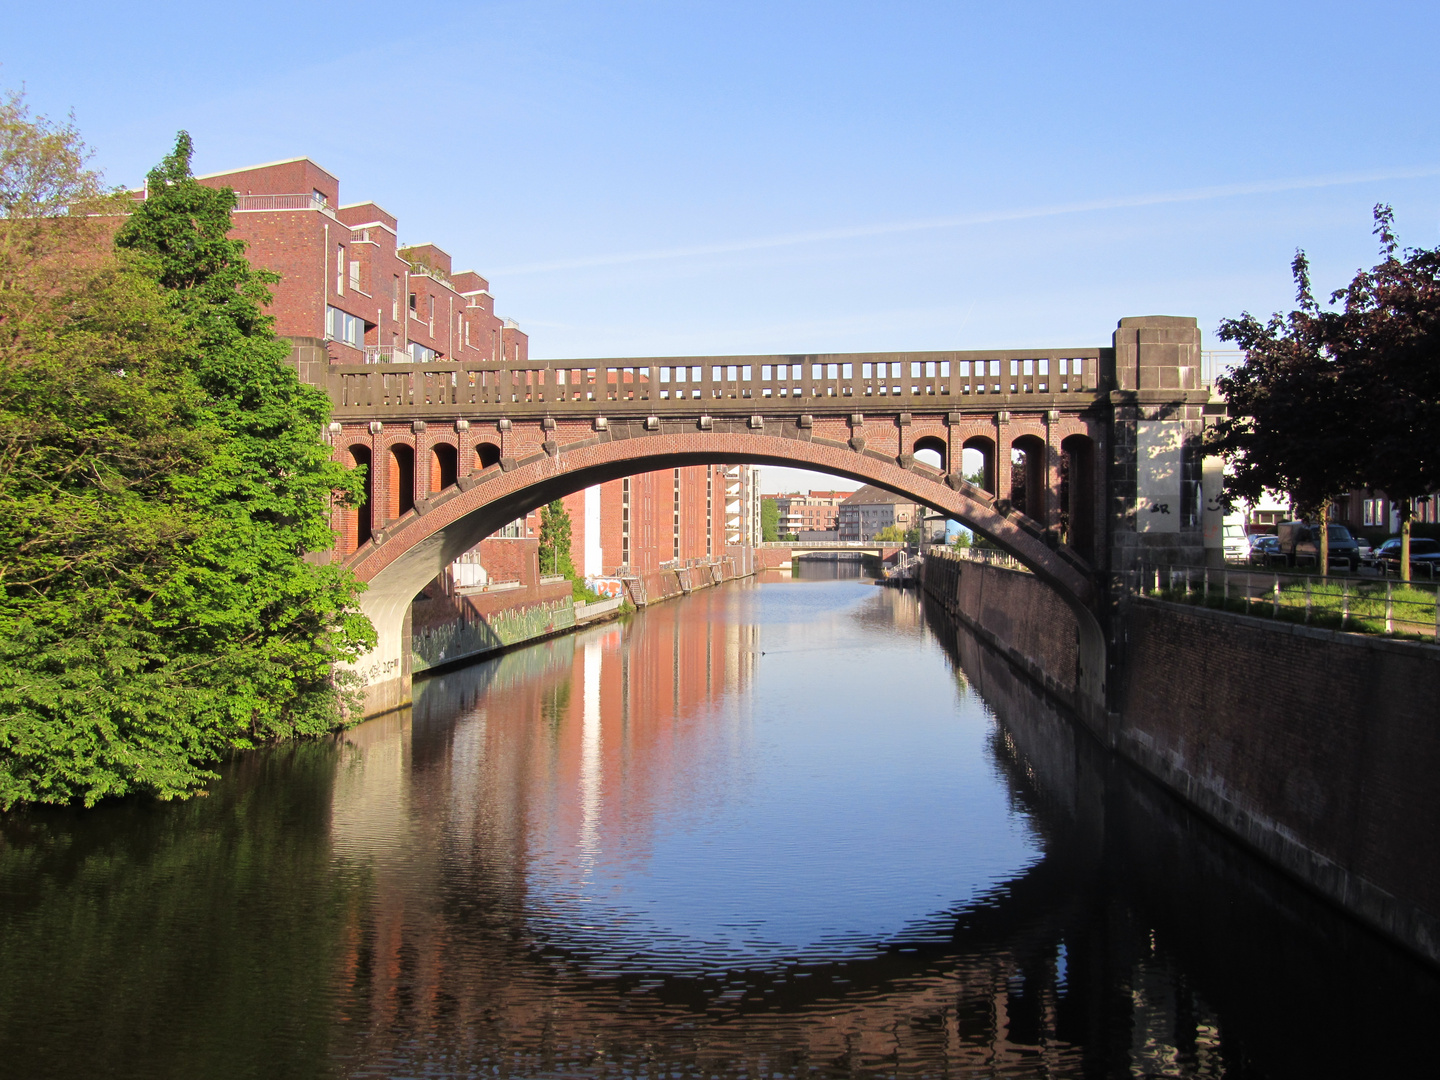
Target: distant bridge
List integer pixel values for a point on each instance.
(798, 549)
(1106, 437)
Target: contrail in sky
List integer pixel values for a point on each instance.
(1029, 213)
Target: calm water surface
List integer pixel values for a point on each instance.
(779, 828)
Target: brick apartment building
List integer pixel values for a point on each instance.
(870, 509)
(350, 291)
(812, 511)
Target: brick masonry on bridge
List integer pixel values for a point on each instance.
(893, 439)
(1126, 421)
(1097, 420)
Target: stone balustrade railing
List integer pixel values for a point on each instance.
(833, 383)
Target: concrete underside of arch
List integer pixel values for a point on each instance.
(409, 553)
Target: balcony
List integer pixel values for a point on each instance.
(387, 354)
(250, 204)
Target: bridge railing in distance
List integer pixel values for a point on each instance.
(835, 383)
(988, 556)
(817, 545)
(1361, 605)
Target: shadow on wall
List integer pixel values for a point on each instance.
(1250, 963)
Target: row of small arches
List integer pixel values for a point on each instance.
(403, 480)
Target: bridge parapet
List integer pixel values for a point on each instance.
(828, 383)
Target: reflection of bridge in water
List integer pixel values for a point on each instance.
(1126, 894)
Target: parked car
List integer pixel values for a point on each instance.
(1232, 537)
(1424, 556)
(1298, 543)
(1265, 549)
(1367, 553)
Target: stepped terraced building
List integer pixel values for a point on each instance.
(351, 293)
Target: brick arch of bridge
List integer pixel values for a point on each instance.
(408, 553)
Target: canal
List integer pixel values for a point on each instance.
(789, 827)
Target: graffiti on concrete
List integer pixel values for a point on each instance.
(477, 635)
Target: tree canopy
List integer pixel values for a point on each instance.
(1334, 398)
(769, 521)
(162, 479)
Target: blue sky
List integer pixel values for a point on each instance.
(683, 178)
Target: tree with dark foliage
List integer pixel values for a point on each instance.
(1330, 399)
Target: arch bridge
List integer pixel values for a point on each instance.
(1105, 439)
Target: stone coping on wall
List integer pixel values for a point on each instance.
(1377, 642)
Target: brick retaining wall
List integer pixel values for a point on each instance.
(1320, 750)
(1016, 613)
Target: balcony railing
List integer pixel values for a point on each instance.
(252, 203)
(387, 354)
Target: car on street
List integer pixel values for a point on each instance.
(1424, 556)
(1234, 540)
(1265, 549)
(1367, 553)
(1299, 544)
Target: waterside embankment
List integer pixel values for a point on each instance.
(1318, 749)
(450, 625)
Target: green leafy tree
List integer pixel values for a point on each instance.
(891, 534)
(555, 554)
(769, 521)
(1289, 424)
(161, 480)
(555, 530)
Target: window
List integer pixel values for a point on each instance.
(340, 269)
(342, 326)
(354, 275)
(625, 522)
(412, 303)
(677, 514)
(422, 354)
(395, 297)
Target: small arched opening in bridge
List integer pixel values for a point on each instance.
(486, 454)
(402, 480)
(359, 523)
(444, 466)
(1077, 494)
(1028, 476)
(978, 456)
(931, 449)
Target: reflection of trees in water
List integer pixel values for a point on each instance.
(198, 939)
